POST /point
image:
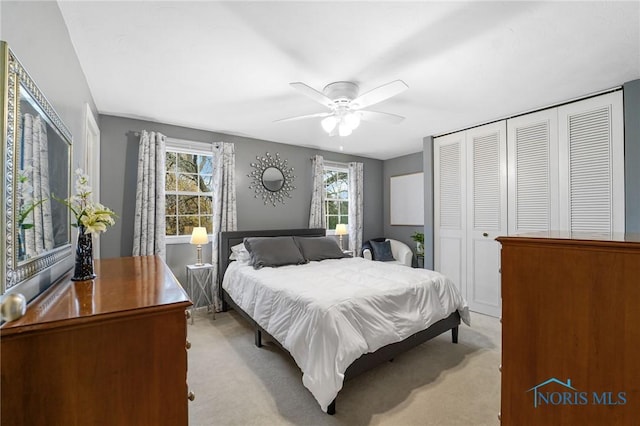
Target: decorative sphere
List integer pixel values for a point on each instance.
(14, 306)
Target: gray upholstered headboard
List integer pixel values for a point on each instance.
(231, 238)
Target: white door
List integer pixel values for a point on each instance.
(486, 214)
(532, 149)
(591, 164)
(449, 208)
(92, 164)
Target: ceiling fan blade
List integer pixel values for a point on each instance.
(312, 93)
(379, 94)
(383, 117)
(302, 117)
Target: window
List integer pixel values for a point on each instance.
(336, 184)
(188, 189)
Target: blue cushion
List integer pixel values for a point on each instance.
(367, 245)
(382, 251)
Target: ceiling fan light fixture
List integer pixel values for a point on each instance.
(329, 123)
(352, 119)
(344, 129)
(346, 104)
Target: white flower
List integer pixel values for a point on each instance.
(92, 215)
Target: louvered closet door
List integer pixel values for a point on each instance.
(532, 142)
(449, 208)
(592, 164)
(487, 214)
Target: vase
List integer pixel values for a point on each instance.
(84, 257)
(21, 249)
(419, 248)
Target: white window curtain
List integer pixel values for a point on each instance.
(316, 215)
(356, 206)
(224, 204)
(149, 227)
(35, 191)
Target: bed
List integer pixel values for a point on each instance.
(323, 319)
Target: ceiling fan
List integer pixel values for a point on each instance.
(346, 106)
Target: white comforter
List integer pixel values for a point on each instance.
(327, 314)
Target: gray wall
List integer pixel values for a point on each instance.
(44, 48)
(119, 156)
(412, 163)
(632, 155)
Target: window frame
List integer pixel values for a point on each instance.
(182, 146)
(334, 167)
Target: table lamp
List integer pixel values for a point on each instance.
(341, 229)
(199, 237)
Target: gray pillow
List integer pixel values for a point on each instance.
(319, 248)
(273, 251)
(382, 251)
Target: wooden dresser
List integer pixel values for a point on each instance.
(105, 352)
(570, 330)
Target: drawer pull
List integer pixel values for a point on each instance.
(500, 368)
(188, 345)
(191, 396)
(485, 234)
(187, 314)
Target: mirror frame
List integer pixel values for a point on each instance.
(32, 276)
(260, 190)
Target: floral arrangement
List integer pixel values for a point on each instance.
(93, 216)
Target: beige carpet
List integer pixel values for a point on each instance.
(436, 383)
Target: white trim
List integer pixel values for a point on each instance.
(181, 239)
(92, 163)
(189, 147)
(334, 165)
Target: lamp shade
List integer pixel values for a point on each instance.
(329, 123)
(341, 229)
(199, 235)
(352, 119)
(344, 129)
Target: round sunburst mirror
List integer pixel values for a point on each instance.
(272, 179)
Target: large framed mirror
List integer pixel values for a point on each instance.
(36, 149)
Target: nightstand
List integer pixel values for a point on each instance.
(420, 260)
(199, 287)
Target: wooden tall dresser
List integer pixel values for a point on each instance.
(570, 330)
(104, 352)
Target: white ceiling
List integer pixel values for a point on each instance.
(226, 66)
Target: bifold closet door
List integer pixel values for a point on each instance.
(450, 257)
(591, 164)
(532, 142)
(486, 214)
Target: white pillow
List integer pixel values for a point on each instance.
(239, 253)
